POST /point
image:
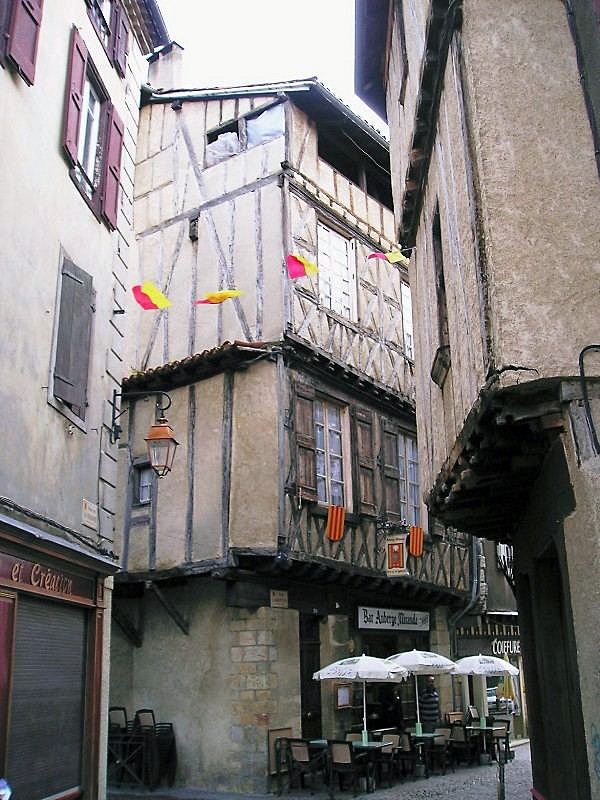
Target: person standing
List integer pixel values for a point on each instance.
(429, 706)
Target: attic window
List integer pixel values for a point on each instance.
(241, 134)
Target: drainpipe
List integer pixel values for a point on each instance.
(455, 618)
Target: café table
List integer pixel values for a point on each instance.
(420, 740)
(370, 747)
(483, 730)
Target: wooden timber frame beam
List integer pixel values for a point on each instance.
(444, 18)
(182, 623)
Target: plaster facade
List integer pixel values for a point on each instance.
(58, 471)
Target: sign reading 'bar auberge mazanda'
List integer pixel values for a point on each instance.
(392, 619)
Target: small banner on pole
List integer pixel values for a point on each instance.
(415, 542)
(335, 523)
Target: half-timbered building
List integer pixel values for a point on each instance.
(264, 553)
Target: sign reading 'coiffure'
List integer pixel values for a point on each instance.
(385, 619)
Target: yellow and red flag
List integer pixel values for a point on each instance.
(335, 523)
(298, 267)
(393, 257)
(150, 297)
(415, 541)
(214, 298)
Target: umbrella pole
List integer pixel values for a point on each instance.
(418, 727)
(364, 733)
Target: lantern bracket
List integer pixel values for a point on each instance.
(159, 409)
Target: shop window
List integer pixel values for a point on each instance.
(142, 487)
(244, 133)
(93, 134)
(73, 337)
(337, 273)
(401, 477)
(111, 25)
(20, 22)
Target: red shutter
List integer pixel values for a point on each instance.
(23, 35)
(7, 629)
(74, 99)
(112, 168)
(121, 38)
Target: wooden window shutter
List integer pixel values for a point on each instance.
(121, 38)
(306, 471)
(73, 339)
(74, 99)
(365, 462)
(112, 167)
(23, 36)
(390, 469)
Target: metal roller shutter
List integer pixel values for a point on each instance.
(47, 709)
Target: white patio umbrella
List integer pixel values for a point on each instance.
(422, 662)
(483, 665)
(366, 669)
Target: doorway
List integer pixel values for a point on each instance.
(310, 690)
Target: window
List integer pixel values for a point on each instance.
(407, 320)
(93, 135)
(20, 22)
(73, 336)
(329, 453)
(243, 133)
(337, 276)
(401, 477)
(323, 471)
(143, 484)
(112, 27)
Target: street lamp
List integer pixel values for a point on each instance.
(160, 441)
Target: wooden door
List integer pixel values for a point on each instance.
(310, 690)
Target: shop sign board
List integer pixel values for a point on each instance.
(385, 619)
(506, 647)
(33, 576)
(396, 555)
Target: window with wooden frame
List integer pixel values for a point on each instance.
(20, 23)
(442, 358)
(245, 132)
(73, 338)
(111, 25)
(323, 468)
(93, 134)
(400, 465)
(143, 479)
(337, 271)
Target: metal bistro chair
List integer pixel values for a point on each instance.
(406, 754)
(440, 752)
(344, 761)
(462, 746)
(302, 762)
(501, 740)
(387, 757)
(143, 733)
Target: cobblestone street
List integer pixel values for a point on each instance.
(467, 783)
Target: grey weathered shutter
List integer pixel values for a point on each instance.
(390, 469)
(74, 96)
(73, 339)
(306, 472)
(23, 36)
(46, 760)
(365, 462)
(120, 38)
